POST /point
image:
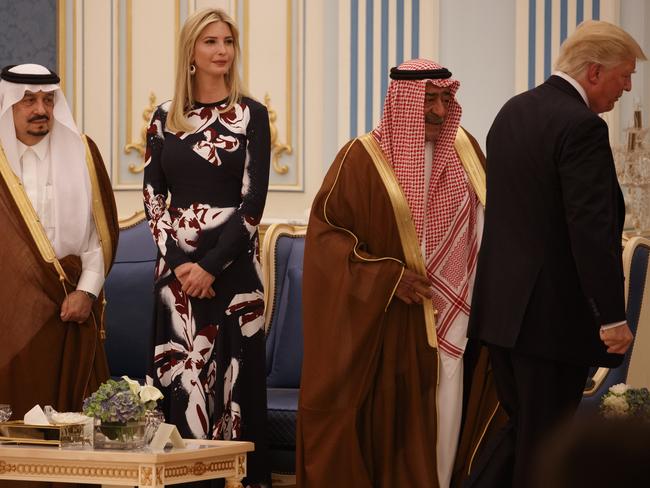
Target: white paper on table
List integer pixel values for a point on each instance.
(166, 433)
(36, 416)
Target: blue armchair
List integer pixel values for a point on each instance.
(282, 264)
(129, 300)
(635, 369)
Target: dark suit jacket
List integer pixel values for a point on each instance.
(549, 269)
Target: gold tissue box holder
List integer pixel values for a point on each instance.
(60, 435)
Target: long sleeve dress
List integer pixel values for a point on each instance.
(209, 356)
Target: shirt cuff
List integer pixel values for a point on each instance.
(91, 282)
(612, 325)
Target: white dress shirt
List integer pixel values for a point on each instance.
(36, 177)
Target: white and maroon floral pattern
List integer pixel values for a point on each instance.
(217, 174)
(207, 148)
(229, 424)
(249, 308)
(190, 223)
(187, 360)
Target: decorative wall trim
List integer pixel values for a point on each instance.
(277, 148)
(141, 145)
(542, 26)
(126, 34)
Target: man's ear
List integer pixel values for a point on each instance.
(594, 71)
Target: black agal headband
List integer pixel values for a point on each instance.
(419, 74)
(29, 79)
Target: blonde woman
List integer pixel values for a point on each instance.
(210, 149)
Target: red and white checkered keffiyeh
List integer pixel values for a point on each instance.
(447, 220)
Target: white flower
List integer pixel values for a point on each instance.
(619, 389)
(615, 406)
(134, 386)
(150, 393)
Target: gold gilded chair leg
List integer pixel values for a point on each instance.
(234, 482)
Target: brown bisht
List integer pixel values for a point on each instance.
(367, 413)
(44, 360)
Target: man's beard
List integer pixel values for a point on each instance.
(39, 133)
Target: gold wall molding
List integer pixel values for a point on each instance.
(277, 148)
(61, 39)
(63, 55)
(141, 145)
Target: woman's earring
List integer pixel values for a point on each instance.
(192, 69)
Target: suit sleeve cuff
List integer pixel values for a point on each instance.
(611, 325)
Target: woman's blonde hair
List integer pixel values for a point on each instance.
(183, 91)
(596, 41)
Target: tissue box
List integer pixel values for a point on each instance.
(75, 435)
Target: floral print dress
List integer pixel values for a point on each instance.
(209, 356)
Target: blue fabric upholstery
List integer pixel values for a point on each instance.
(636, 277)
(284, 359)
(284, 351)
(282, 405)
(128, 319)
(129, 297)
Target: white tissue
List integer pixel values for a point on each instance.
(70, 418)
(36, 416)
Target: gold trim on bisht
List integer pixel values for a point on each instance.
(353, 235)
(30, 216)
(99, 213)
(471, 163)
(407, 232)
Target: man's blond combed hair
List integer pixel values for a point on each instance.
(596, 41)
(183, 90)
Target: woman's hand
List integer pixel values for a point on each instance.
(195, 281)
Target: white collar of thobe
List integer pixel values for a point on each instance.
(574, 84)
(40, 148)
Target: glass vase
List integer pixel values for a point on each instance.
(119, 435)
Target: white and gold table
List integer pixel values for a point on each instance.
(199, 460)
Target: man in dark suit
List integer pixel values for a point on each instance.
(548, 296)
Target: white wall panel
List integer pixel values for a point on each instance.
(324, 65)
(97, 78)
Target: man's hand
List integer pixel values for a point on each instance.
(76, 307)
(617, 339)
(195, 281)
(412, 287)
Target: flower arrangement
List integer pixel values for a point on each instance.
(121, 401)
(623, 401)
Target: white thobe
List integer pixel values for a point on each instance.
(450, 380)
(36, 178)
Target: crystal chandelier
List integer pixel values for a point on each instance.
(633, 171)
